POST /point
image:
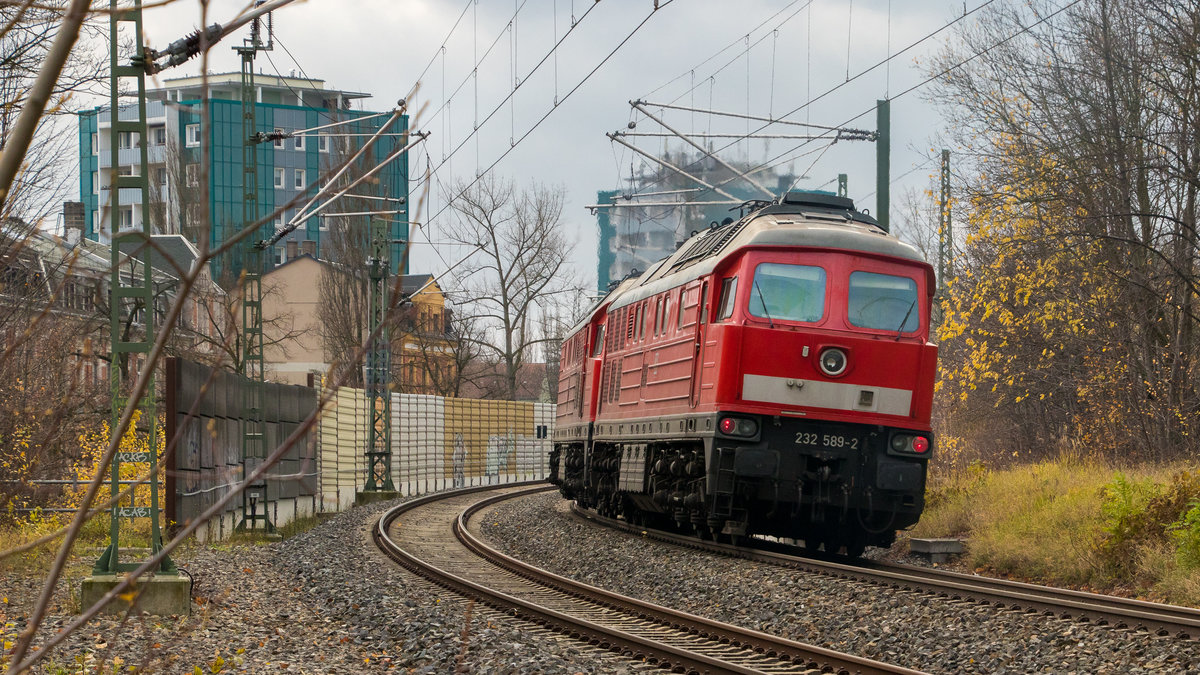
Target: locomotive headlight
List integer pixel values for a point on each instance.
(900, 443)
(833, 362)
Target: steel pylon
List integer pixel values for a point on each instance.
(130, 294)
(379, 363)
(254, 444)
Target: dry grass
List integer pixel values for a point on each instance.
(1047, 522)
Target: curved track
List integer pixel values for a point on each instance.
(432, 537)
(1160, 619)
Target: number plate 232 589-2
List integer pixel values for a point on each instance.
(824, 441)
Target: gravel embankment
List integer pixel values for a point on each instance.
(925, 633)
(324, 601)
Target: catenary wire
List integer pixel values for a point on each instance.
(554, 107)
(806, 105)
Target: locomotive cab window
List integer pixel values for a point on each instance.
(788, 292)
(728, 296)
(598, 345)
(883, 302)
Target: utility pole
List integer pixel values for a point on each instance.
(254, 445)
(945, 228)
(132, 298)
(883, 162)
(378, 365)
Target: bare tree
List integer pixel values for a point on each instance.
(343, 295)
(214, 333)
(445, 350)
(50, 386)
(521, 265)
(27, 31)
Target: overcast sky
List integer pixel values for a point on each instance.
(797, 50)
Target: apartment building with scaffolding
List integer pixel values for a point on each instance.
(657, 209)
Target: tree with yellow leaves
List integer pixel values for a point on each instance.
(1071, 321)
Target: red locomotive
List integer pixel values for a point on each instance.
(772, 376)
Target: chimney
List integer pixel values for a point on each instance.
(73, 222)
(308, 247)
(291, 249)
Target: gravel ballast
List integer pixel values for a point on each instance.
(911, 629)
(324, 601)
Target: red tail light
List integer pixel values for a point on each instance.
(920, 444)
(728, 425)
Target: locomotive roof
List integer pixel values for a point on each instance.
(785, 224)
(801, 219)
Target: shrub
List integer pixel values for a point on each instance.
(1127, 523)
(1186, 532)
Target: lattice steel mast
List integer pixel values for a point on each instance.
(126, 300)
(379, 361)
(254, 445)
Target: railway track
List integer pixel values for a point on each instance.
(433, 536)
(1105, 610)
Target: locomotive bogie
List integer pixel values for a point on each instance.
(790, 478)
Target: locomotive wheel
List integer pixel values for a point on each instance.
(812, 543)
(856, 544)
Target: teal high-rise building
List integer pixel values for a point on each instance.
(183, 120)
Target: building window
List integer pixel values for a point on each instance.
(322, 224)
(300, 179)
(160, 175)
(158, 136)
(298, 142)
(278, 256)
(123, 140)
(191, 174)
(126, 217)
(278, 178)
(322, 142)
(125, 170)
(95, 144)
(193, 136)
(278, 138)
(95, 182)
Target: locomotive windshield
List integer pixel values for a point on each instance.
(883, 302)
(788, 292)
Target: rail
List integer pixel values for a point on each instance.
(1160, 619)
(639, 630)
